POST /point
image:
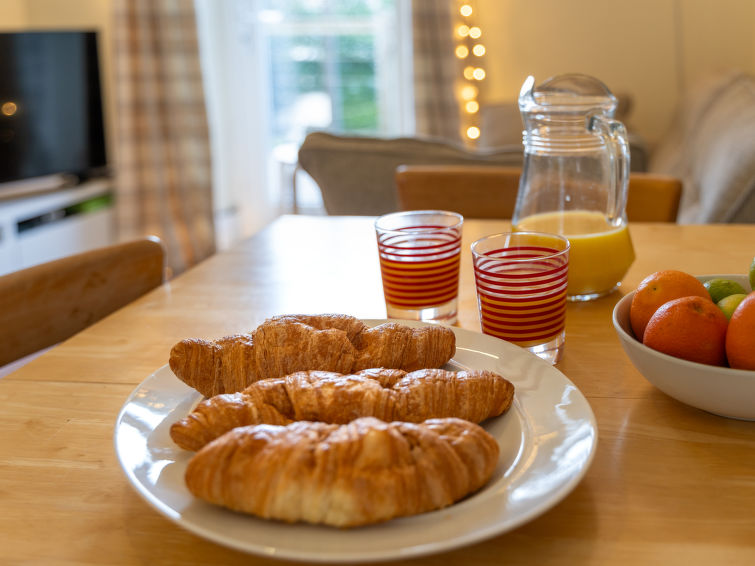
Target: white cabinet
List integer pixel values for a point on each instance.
(39, 228)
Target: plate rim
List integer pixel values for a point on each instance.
(412, 551)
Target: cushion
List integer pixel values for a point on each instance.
(711, 148)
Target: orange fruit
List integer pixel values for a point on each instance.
(659, 288)
(691, 328)
(740, 338)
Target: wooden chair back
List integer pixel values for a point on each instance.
(47, 303)
(490, 191)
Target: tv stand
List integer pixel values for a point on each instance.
(40, 223)
(36, 186)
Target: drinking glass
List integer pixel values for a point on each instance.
(521, 280)
(419, 262)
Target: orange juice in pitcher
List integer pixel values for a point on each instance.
(575, 178)
(600, 253)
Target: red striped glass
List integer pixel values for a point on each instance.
(521, 289)
(419, 262)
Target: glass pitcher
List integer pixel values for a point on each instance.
(575, 177)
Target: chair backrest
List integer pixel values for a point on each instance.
(47, 303)
(653, 197)
(356, 174)
(490, 191)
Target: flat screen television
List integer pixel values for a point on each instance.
(51, 120)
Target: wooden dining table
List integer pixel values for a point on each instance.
(669, 484)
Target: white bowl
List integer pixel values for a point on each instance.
(720, 390)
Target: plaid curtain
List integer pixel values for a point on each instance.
(435, 70)
(163, 169)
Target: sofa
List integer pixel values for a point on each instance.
(356, 173)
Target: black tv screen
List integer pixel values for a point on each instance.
(50, 105)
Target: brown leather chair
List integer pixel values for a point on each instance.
(490, 191)
(47, 303)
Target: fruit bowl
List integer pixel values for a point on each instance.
(720, 390)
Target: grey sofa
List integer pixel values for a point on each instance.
(356, 175)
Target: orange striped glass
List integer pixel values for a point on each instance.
(419, 262)
(521, 283)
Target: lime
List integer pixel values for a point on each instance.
(729, 304)
(719, 288)
(752, 274)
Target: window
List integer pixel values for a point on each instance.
(334, 65)
(276, 69)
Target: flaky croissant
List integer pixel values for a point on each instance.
(286, 344)
(348, 475)
(388, 394)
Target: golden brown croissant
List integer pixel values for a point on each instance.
(388, 394)
(343, 475)
(286, 344)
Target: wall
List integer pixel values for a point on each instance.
(651, 49)
(14, 14)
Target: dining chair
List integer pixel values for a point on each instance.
(47, 303)
(490, 191)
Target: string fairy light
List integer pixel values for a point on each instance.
(471, 106)
(469, 51)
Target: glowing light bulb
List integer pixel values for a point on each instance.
(469, 73)
(474, 32)
(465, 10)
(478, 73)
(462, 51)
(473, 132)
(472, 106)
(463, 30)
(479, 50)
(469, 92)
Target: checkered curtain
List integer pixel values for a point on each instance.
(435, 69)
(163, 170)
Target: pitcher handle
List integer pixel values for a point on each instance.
(614, 135)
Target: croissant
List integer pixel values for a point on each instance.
(330, 397)
(348, 475)
(289, 343)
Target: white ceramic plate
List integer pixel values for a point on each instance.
(547, 440)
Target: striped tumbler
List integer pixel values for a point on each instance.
(521, 289)
(419, 262)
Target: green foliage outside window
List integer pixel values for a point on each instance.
(317, 48)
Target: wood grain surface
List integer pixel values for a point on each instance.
(669, 484)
